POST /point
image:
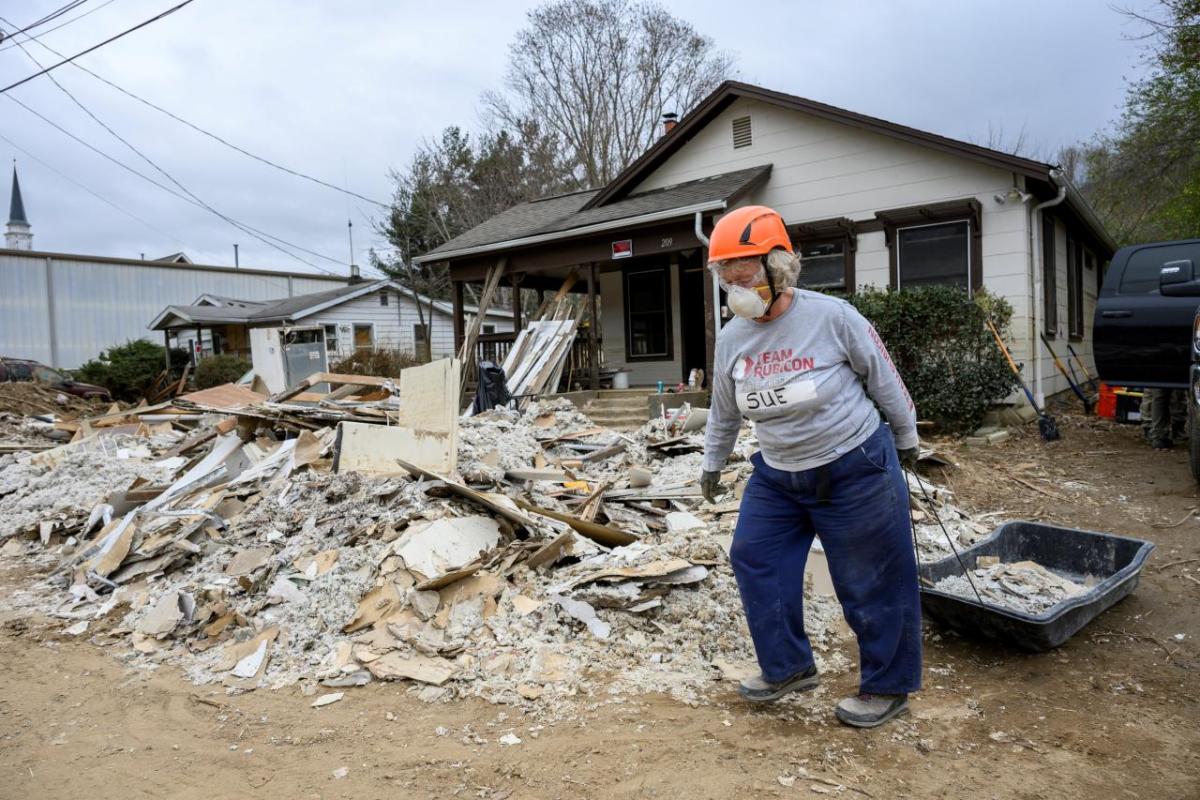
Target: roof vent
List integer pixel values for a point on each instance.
(741, 133)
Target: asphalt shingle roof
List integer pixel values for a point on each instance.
(562, 213)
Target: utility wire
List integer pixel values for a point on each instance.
(209, 134)
(49, 17)
(168, 12)
(37, 38)
(169, 236)
(148, 160)
(247, 228)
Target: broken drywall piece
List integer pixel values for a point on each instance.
(653, 569)
(77, 629)
(425, 604)
(372, 450)
(585, 614)
(286, 591)
(246, 561)
(525, 605)
(447, 544)
(248, 659)
(13, 547)
(317, 565)
(162, 617)
(425, 669)
(114, 548)
(327, 699)
(374, 606)
(680, 521)
(509, 739)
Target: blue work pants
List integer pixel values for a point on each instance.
(866, 533)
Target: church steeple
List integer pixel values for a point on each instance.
(17, 235)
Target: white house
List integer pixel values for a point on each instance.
(362, 315)
(868, 203)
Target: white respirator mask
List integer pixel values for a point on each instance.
(746, 303)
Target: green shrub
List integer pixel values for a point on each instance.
(219, 370)
(945, 353)
(129, 369)
(379, 362)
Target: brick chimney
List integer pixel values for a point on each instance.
(669, 120)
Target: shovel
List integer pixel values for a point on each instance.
(1087, 404)
(1046, 425)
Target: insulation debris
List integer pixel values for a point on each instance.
(1024, 586)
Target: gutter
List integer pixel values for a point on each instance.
(571, 233)
(1037, 260)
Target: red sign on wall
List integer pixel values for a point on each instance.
(622, 249)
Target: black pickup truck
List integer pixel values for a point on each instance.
(1145, 330)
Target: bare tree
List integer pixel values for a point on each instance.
(598, 74)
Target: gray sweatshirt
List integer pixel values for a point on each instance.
(800, 378)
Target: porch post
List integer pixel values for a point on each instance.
(459, 332)
(515, 282)
(593, 322)
(167, 350)
(199, 344)
(711, 301)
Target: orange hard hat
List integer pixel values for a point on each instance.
(747, 232)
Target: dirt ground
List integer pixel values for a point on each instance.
(1113, 713)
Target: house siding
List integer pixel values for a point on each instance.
(824, 169)
(393, 323)
(63, 311)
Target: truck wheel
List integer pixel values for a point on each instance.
(1193, 438)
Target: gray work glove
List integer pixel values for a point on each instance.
(909, 457)
(710, 485)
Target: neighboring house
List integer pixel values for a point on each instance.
(63, 309)
(362, 315)
(868, 203)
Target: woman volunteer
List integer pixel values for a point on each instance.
(801, 365)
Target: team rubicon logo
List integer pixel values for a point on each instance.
(772, 362)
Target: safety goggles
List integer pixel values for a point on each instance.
(745, 272)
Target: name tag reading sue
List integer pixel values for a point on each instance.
(767, 402)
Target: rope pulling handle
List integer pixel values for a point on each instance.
(936, 516)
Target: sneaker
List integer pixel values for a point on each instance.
(870, 710)
(1162, 444)
(759, 690)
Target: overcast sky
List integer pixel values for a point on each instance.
(346, 90)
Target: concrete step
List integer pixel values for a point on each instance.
(631, 404)
(622, 420)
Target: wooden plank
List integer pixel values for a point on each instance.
(610, 537)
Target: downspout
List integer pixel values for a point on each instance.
(1037, 260)
(716, 285)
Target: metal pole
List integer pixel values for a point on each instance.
(237, 264)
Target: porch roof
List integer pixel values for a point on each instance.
(566, 215)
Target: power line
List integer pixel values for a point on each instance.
(63, 24)
(170, 236)
(246, 228)
(49, 17)
(168, 12)
(209, 134)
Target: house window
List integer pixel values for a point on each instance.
(1049, 275)
(1075, 288)
(934, 254)
(647, 315)
(823, 265)
(383, 298)
(364, 336)
(331, 339)
(935, 244)
(489, 329)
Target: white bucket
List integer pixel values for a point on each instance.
(621, 379)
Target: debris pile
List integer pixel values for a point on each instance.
(558, 559)
(1024, 586)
